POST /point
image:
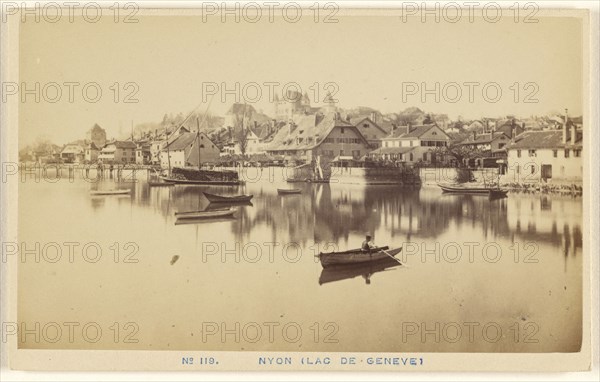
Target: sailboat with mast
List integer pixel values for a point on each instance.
(197, 176)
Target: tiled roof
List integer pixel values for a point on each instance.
(182, 141)
(302, 136)
(72, 149)
(384, 126)
(415, 131)
(544, 139)
(125, 144)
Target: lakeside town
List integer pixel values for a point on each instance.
(544, 152)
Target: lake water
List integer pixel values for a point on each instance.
(478, 275)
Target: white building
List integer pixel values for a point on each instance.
(550, 156)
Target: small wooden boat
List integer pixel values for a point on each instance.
(110, 192)
(227, 199)
(356, 256)
(203, 220)
(350, 271)
(288, 191)
(464, 188)
(205, 214)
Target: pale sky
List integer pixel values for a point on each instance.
(369, 58)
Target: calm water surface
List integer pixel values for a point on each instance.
(480, 275)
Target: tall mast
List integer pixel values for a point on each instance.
(198, 141)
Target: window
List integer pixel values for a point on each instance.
(342, 130)
(411, 157)
(555, 153)
(365, 125)
(577, 153)
(532, 169)
(341, 152)
(518, 153)
(434, 133)
(532, 153)
(566, 153)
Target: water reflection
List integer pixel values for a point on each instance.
(174, 298)
(341, 214)
(366, 271)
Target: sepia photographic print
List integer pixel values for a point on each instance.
(299, 186)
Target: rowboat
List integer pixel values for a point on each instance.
(202, 182)
(288, 191)
(205, 214)
(227, 199)
(350, 271)
(356, 256)
(472, 189)
(203, 220)
(110, 192)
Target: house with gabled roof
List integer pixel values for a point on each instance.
(411, 144)
(325, 136)
(547, 155)
(371, 130)
(493, 143)
(189, 150)
(72, 153)
(118, 152)
(168, 134)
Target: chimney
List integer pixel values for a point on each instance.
(565, 128)
(514, 132)
(474, 135)
(573, 134)
(374, 116)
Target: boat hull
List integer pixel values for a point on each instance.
(227, 199)
(110, 192)
(355, 256)
(282, 191)
(202, 182)
(472, 190)
(205, 214)
(350, 271)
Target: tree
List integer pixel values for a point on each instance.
(459, 152)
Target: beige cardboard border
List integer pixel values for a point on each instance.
(20, 359)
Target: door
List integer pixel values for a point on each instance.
(546, 171)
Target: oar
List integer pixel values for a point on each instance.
(384, 251)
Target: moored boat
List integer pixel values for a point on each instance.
(464, 188)
(357, 256)
(202, 182)
(110, 192)
(227, 199)
(288, 191)
(205, 214)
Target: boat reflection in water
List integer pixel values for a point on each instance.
(366, 270)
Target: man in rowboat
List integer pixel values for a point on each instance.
(367, 245)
